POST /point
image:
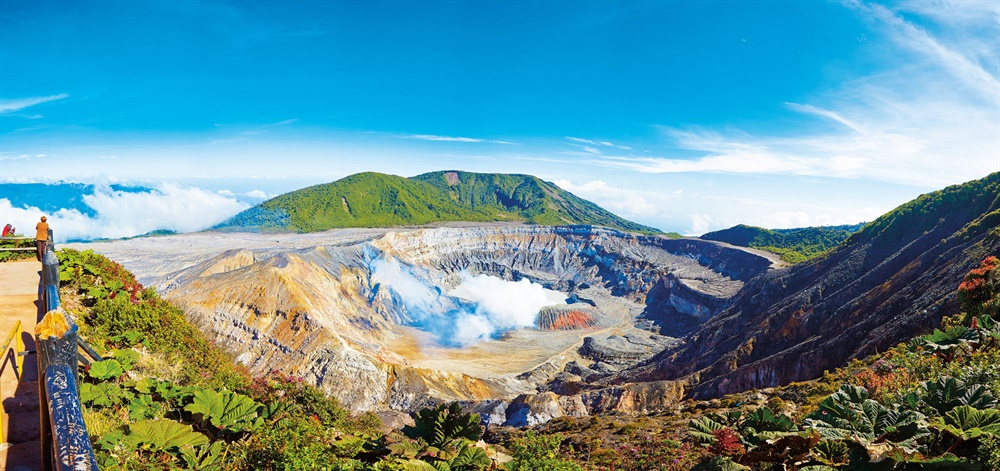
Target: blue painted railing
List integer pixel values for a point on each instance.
(65, 443)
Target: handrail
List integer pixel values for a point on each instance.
(17, 363)
(18, 348)
(89, 350)
(65, 443)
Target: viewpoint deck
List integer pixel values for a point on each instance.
(19, 301)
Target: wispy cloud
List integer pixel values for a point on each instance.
(14, 156)
(17, 104)
(920, 41)
(597, 143)
(824, 113)
(433, 137)
(909, 123)
(282, 123)
(233, 140)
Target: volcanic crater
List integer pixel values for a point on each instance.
(359, 312)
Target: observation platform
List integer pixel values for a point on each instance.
(20, 446)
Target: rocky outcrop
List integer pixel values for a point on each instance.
(567, 317)
(641, 398)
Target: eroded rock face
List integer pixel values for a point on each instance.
(311, 306)
(887, 283)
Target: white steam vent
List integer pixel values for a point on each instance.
(500, 305)
(481, 307)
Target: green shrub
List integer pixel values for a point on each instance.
(537, 453)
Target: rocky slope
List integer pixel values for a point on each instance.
(341, 309)
(891, 280)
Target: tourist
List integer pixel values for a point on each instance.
(41, 237)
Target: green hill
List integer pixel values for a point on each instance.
(378, 200)
(794, 245)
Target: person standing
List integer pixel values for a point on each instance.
(41, 237)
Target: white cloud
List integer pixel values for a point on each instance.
(627, 203)
(432, 137)
(10, 106)
(581, 141)
(700, 223)
(824, 113)
(255, 194)
(20, 156)
(796, 219)
(125, 214)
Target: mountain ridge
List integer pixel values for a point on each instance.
(793, 245)
(372, 199)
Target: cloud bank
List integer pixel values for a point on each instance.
(125, 214)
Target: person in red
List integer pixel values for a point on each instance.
(41, 237)
(8, 230)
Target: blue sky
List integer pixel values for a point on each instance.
(688, 116)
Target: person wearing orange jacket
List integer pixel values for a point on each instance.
(41, 237)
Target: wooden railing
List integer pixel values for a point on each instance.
(16, 358)
(65, 443)
(16, 247)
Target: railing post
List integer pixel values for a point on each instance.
(50, 279)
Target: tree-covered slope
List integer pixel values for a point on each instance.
(794, 245)
(378, 200)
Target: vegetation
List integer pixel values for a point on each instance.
(16, 243)
(793, 245)
(968, 201)
(378, 200)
